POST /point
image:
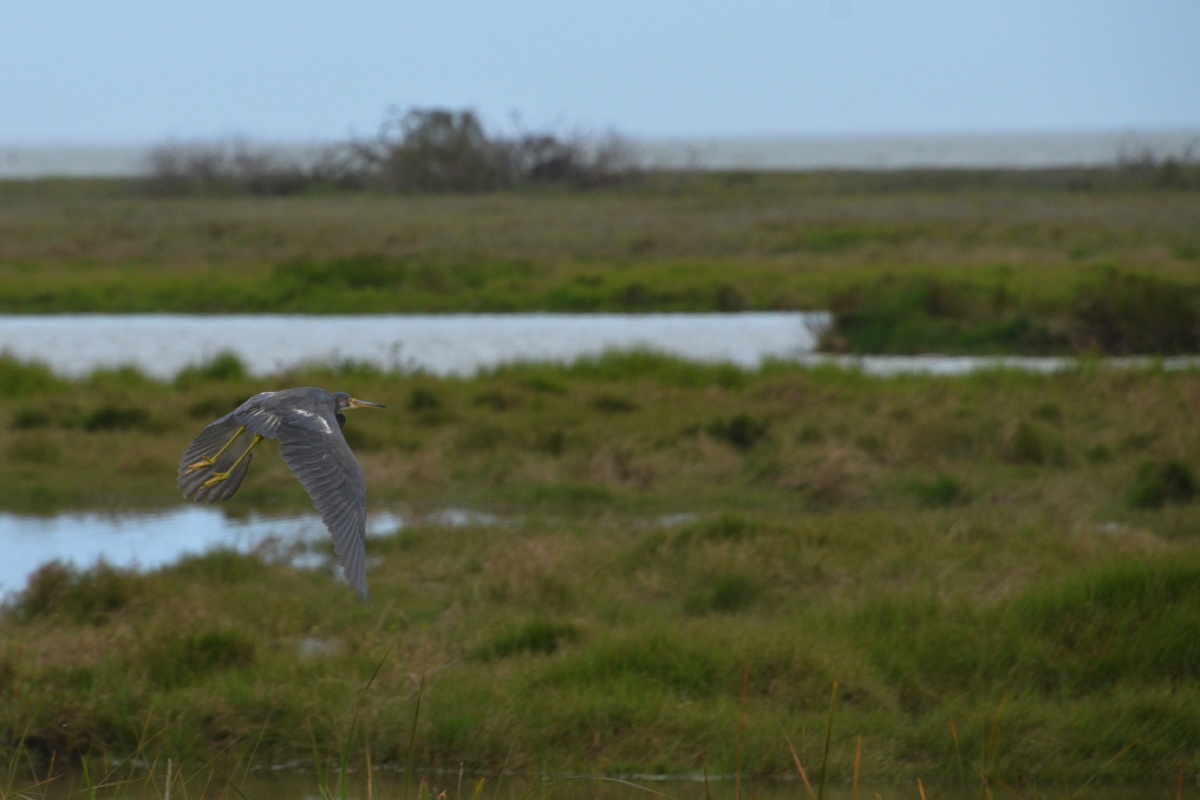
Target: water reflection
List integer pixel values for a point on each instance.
(148, 540)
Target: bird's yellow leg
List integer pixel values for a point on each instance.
(218, 477)
(208, 461)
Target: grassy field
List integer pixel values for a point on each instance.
(1000, 571)
(947, 261)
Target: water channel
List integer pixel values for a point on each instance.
(151, 539)
(161, 345)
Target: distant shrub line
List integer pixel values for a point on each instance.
(1121, 314)
(418, 150)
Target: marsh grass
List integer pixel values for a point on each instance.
(996, 571)
(661, 578)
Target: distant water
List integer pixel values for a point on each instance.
(980, 150)
(451, 344)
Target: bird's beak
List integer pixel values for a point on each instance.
(356, 403)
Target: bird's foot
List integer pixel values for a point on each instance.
(218, 477)
(203, 463)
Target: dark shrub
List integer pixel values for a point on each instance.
(613, 404)
(729, 298)
(940, 492)
(181, 659)
(538, 637)
(741, 430)
(29, 418)
(423, 399)
(1158, 484)
(1128, 314)
(114, 418)
(726, 594)
(418, 150)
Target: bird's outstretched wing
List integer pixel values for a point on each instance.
(207, 444)
(312, 446)
(314, 449)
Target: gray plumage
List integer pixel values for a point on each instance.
(307, 422)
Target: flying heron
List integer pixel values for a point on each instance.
(307, 422)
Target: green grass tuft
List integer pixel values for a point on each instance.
(175, 659)
(941, 491)
(224, 367)
(91, 596)
(539, 637)
(24, 379)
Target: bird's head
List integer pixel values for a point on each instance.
(343, 401)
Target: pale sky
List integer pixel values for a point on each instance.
(81, 71)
